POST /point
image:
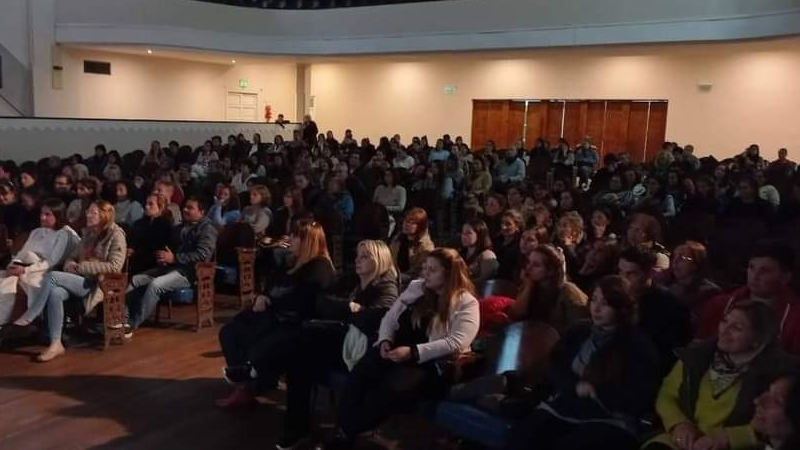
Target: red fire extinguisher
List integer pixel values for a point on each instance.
(268, 113)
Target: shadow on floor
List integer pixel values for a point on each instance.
(179, 414)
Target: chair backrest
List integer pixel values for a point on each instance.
(247, 284)
(114, 286)
(523, 346)
(231, 237)
(498, 287)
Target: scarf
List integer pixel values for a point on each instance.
(726, 369)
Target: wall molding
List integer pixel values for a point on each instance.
(26, 139)
(772, 24)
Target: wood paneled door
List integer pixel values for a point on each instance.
(637, 127)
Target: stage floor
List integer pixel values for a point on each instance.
(156, 392)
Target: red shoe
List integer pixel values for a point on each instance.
(238, 398)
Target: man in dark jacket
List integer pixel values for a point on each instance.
(661, 316)
(198, 240)
(310, 131)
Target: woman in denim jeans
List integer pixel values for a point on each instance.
(102, 250)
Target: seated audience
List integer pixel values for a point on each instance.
(339, 347)
(225, 210)
(102, 250)
(571, 239)
(44, 250)
(127, 211)
(768, 275)
(176, 268)
(342, 199)
(546, 295)
(643, 233)
(412, 244)
(435, 318)
(776, 420)
(150, 234)
(291, 209)
(258, 214)
(11, 211)
(707, 400)
(688, 278)
(661, 316)
(166, 189)
(605, 374)
(258, 342)
(88, 190)
(476, 250)
(390, 194)
(507, 245)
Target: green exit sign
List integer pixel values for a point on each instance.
(243, 83)
(450, 89)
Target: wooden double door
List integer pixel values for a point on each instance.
(634, 126)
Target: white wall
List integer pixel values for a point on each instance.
(754, 96)
(150, 87)
(25, 139)
(433, 26)
(14, 29)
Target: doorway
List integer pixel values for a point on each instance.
(241, 107)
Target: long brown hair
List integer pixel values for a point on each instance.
(457, 282)
(312, 243)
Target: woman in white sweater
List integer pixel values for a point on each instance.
(390, 194)
(46, 247)
(435, 318)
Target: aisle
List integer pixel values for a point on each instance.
(155, 393)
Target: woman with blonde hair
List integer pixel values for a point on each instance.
(339, 342)
(435, 318)
(258, 341)
(102, 250)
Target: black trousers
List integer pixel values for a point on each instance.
(261, 339)
(318, 354)
(378, 388)
(543, 431)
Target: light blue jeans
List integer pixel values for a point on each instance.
(146, 290)
(58, 287)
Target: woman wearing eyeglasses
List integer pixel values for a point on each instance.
(688, 277)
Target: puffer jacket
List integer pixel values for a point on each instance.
(109, 250)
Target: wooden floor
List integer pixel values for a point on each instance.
(155, 392)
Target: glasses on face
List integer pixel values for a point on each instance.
(684, 258)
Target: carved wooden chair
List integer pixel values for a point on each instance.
(205, 291)
(247, 283)
(113, 286)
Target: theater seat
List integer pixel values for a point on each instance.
(473, 424)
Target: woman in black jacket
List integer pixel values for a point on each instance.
(507, 245)
(257, 342)
(149, 234)
(605, 375)
(337, 343)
